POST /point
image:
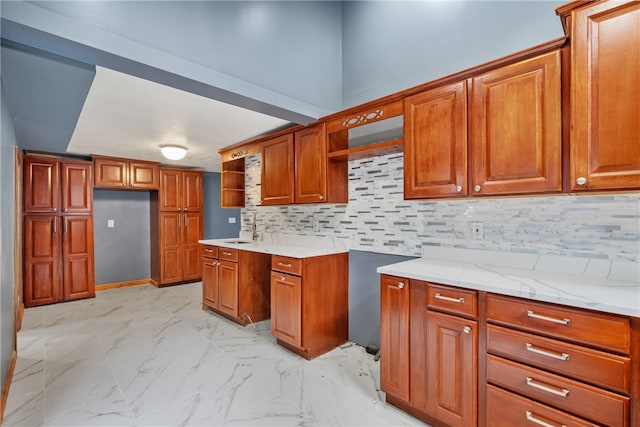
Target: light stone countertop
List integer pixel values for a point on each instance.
(289, 245)
(596, 284)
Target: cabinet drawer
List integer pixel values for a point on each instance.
(228, 254)
(508, 409)
(590, 402)
(209, 251)
(600, 330)
(453, 300)
(593, 366)
(286, 264)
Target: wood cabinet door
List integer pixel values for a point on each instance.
(192, 191)
(394, 336)
(77, 257)
(210, 282)
(277, 171)
(41, 260)
(143, 175)
(605, 96)
(435, 142)
(170, 247)
(516, 128)
(170, 194)
(110, 173)
(310, 148)
(228, 288)
(452, 360)
(192, 229)
(41, 185)
(286, 308)
(77, 188)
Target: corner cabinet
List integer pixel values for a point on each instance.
(605, 96)
(180, 227)
(58, 230)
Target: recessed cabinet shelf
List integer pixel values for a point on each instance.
(232, 184)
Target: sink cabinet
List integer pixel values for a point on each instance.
(309, 303)
(235, 283)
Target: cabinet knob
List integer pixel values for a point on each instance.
(477, 188)
(459, 189)
(466, 330)
(581, 180)
(321, 197)
(55, 209)
(400, 285)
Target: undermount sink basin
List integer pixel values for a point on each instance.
(238, 242)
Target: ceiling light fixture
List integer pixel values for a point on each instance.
(173, 152)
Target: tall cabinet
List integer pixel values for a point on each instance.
(58, 230)
(180, 226)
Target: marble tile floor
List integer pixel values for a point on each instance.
(142, 356)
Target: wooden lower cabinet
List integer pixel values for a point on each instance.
(235, 283)
(58, 258)
(310, 303)
(460, 357)
(180, 257)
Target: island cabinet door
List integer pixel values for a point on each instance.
(286, 308)
(228, 288)
(210, 282)
(394, 336)
(452, 358)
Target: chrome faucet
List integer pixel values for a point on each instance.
(255, 228)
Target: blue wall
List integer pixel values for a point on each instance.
(216, 219)
(7, 172)
(126, 246)
(389, 46)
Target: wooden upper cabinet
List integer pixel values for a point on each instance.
(516, 128)
(41, 185)
(311, 165)
(277, 171)
(192, 190)
(144, 175)
(435, 142)
(112, 172)
(77, 188)
(605, 96)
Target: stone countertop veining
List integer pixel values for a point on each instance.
(595, 284)
(293, 246)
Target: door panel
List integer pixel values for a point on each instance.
(170, 247)
(210, 282)
(77, 188)
(41, 260)
(192, 191)
(170, 190)
(311, 165)
(277, 171)
(77, 256)
(192, 258)
(286, 308)
(228, 287)
(41, 185)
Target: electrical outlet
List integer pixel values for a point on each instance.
(477, 231)
(232, 220)
(110, 223)
(316, 225)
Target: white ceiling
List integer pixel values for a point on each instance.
(125, 116)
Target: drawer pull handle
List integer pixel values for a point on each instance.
(558, 392)
(559, 356)
(282, 264)
(283, 279)
(531, 417)
(446, 298)
(226, 253)
(564, 321)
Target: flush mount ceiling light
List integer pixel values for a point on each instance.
(173, 152)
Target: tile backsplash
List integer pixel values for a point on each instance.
(378, 219)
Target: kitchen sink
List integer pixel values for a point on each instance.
(236, 242)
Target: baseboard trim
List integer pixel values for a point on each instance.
(106, 286)
(7, 383)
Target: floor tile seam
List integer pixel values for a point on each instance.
(157, 411)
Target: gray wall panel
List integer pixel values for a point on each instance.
(364, 295)
(122, 253)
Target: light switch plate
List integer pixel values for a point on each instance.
(232, 220)
(110, 223)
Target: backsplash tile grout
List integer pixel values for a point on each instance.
(378, 219)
